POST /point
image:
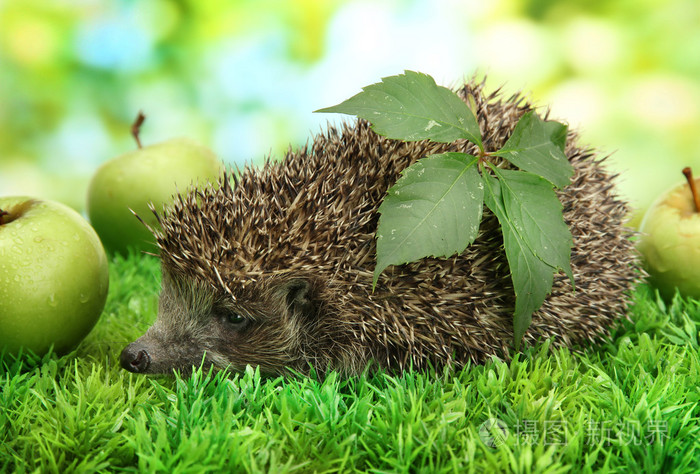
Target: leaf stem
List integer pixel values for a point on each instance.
(482, 157)
(136, 128)
(691, 182)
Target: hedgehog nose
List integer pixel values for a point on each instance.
(135, 358)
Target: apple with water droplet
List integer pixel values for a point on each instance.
(53, 276)
(149, 174)
(670, 240)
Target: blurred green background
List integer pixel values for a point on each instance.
(243, 76)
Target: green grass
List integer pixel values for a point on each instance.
(631, 405)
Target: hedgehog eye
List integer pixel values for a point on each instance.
(236, 319)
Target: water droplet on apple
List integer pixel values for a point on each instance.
(84, 298)
(76, 237)
(52, 300)
(38, 239)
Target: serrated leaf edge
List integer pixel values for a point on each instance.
(519, 329)
(460, 126)
(504, 182)
(505, 152)
(379, 269)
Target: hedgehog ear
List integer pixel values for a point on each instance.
(298, 295)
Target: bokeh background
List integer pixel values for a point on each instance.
(243, 76)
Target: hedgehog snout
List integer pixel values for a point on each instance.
(135, 358)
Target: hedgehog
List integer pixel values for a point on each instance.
(272, 266)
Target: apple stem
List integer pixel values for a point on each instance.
(691, 182)
(136, 128)
(3, 214)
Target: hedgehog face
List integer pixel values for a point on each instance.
(197, 324)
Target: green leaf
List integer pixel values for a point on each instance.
(535, 212)
(412, 107)
(532, 278)
(434, 209)
(537, 146)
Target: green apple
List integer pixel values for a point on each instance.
(670, 240)
(150, 174)
(53, 276)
